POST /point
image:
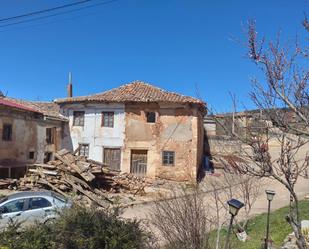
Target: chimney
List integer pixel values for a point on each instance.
(70, 86)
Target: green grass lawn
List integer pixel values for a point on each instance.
(279, 228)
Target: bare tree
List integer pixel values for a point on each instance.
(233, 185)
(220, 215)
(282, 99)
(183, 221)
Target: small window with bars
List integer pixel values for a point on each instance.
(107, 119)
(78, 118)
(83, 150)
(168, 158)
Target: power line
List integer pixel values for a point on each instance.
(56, 14)
(43, 11)
(44, 23)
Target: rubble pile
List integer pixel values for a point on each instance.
(76, 176)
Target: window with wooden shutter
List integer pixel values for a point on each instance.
(78, 118)
(50, 135)
(107, 119)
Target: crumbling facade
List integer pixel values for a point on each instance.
(29, 133)
(138, 128)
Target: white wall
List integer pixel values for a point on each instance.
(92, 133)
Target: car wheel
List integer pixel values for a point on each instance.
(49, 222)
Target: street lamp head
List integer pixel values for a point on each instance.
(234, 206)
(270, 194)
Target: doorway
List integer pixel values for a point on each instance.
(112, 158)
(138, 162)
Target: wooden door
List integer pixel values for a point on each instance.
(139, 162)
(112, 158)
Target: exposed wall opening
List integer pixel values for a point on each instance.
(48, 156)
(7, 132)
(31, 155)
(151, 117)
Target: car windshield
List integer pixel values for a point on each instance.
(3, 200)
(59, 197)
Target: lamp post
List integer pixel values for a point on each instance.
(270, 196)
(234, 206)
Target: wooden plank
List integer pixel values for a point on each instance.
(83, 166)
(96, 162)
(53, 187)
(42, 165)
(46, 172)
(63, 152)
(88, 176)
(90, 195)
(81, 182)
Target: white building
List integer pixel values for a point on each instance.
(94, 128)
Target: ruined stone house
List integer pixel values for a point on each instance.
(137, 128)
(29, 132)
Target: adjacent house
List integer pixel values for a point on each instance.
(137, 128)
(29, 132)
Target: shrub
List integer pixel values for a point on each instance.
(78, 228)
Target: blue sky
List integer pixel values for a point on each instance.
(185, 46)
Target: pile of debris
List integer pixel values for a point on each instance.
(90, 181)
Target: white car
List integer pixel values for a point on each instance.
(31, 206)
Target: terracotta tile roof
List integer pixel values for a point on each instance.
(134, 92)
(15, 105)
(49, 109)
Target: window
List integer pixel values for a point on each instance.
(168, 158)
(107, 119)
(151, 117)
(78, 118)
(7, 132)
(83, 150)
(31, 154)
(38, 202)
(50, 134)
(13, 206)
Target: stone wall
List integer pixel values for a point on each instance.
(178, 128)
(221, 145)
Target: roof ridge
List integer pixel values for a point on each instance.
(135, 91)
(147, 84)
